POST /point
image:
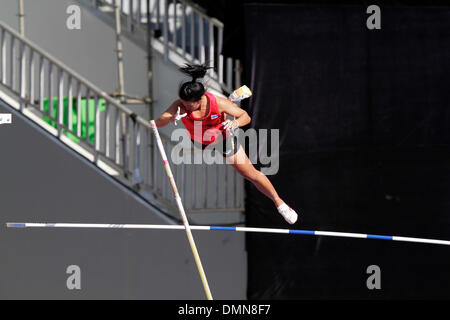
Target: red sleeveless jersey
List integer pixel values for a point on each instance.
(207, 129)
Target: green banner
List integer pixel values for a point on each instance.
(83, 104)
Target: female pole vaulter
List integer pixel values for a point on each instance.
(201, 108)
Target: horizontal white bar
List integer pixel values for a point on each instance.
(421, 240)
(266, 230)
(207, 228)
(340, 234)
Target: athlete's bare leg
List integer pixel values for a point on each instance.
(241, 163)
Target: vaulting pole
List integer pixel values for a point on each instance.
(181, 211)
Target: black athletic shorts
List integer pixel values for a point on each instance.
(227, 146)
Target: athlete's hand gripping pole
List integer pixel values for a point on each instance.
(179, 116)
(181, 210)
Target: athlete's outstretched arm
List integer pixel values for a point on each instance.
(168, 116)
(225, 105)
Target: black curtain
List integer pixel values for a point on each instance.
(364, 119)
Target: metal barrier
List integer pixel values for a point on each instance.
(184, 28)
(108, 133)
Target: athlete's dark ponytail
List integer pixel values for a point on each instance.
(193, 90)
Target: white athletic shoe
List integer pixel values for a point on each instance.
(288, 214)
